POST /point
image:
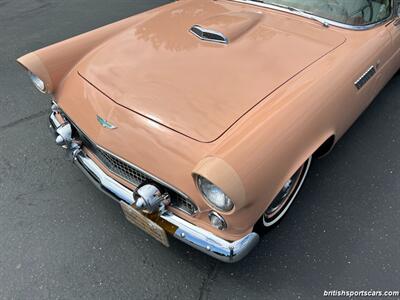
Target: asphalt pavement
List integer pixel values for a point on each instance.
(60, 238)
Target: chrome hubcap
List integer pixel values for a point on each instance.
(287, 187)
(284, 195)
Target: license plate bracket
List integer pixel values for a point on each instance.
(141, 221)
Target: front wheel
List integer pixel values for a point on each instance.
(281, 203)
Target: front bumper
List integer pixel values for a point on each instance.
(186, 232)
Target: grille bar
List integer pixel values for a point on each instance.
(120, 168)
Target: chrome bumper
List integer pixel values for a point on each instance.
(186, 232)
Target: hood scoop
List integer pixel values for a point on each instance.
(208, 34)
(227, 27)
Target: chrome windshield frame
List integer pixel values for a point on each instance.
(321, 19)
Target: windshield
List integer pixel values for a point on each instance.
(350, 12)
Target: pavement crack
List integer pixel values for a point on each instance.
(24, 119)
(211, 275)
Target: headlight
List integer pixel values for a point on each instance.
(214, 195)
(38, 83)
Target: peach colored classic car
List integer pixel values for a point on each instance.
(201, 116)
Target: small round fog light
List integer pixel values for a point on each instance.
(217, 221)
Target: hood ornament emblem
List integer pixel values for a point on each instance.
(105, 123)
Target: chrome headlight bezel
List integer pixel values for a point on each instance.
(39, 84)
(214, 195)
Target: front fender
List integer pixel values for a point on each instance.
(54, 62)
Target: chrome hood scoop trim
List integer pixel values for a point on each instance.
(226, 27)
(208, 34)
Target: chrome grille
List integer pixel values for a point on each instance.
(121, 168)
(184, 204)
(135, 175)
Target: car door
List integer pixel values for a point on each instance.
(389, 62)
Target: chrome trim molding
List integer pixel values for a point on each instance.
(365, 77)
(205, 34)
(314, 17)
(54, 122)
(186, 232)
(209, 243)
(117, 189)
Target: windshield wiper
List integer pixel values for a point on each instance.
(303, 13)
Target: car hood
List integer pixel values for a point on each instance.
(162, 71)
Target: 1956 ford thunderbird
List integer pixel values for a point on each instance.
(201, 117)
